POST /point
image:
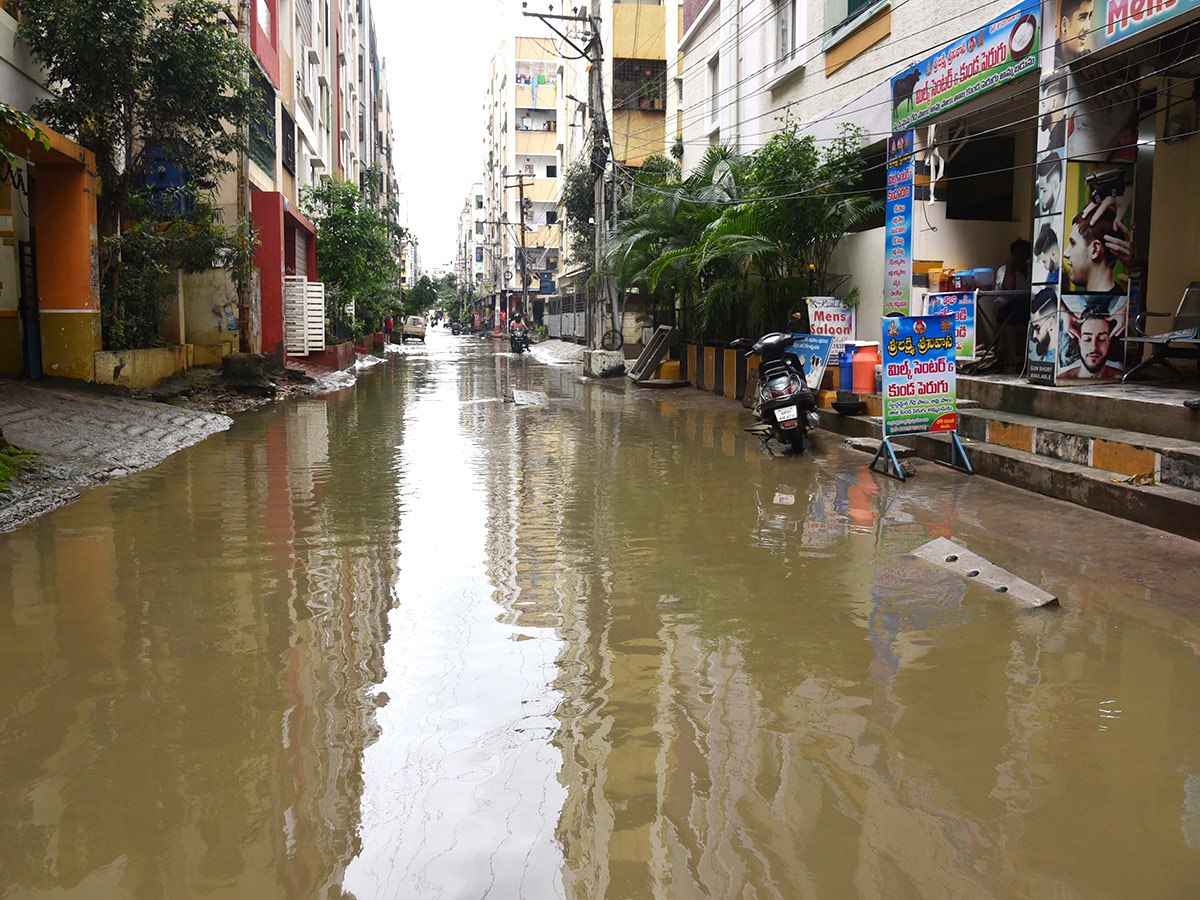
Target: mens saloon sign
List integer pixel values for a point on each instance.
(1124, 18)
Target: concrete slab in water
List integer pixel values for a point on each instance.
(948, 555)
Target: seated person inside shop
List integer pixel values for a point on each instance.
(1013, 309)
(1015, 271)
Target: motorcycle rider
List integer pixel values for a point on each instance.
(518, 332)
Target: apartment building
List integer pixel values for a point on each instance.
(520, 250)
(641, 108)
(326, 115)
(469, 249)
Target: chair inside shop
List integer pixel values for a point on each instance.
(1182, 341)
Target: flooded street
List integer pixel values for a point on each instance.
(413, 641)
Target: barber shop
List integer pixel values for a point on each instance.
(1038, 188)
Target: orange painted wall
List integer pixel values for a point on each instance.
(65, 218)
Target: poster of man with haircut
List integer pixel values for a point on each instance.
(1090, 343)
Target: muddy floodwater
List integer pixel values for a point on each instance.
(414, 641)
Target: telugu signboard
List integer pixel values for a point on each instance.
(897, 264)
(961, 306)
(813, 352)
(919, 390)
(831, 316)
(1003, 49)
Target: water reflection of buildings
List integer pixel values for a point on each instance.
(717, 739)
(185, 667)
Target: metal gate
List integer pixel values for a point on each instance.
(28, 309)
(303, 315)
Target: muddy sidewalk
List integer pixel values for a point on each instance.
(84, 437)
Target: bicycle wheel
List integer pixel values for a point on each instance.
(612, 340)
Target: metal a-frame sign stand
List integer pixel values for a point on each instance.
(891, 466)
(886, 452)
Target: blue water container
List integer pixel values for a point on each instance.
(846, 370)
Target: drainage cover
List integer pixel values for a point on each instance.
(973, 567)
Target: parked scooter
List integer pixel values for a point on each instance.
(518, 338)
(783, 404)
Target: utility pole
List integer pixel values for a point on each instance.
(593, 51)
(243, 183)
(524, 255)
(600, 151)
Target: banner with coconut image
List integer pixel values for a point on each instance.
(1003, 49)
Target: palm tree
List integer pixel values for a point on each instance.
(738, 243)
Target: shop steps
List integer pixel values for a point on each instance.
(1163, 506)
(1144, 408)
(1172, 507)
(1165, 460)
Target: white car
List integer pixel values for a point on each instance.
(414, 327)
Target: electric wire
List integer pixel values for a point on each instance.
(1007, 126)
(892, 66)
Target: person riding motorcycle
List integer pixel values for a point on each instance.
(518, 334)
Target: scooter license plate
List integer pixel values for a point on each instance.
(785, 414)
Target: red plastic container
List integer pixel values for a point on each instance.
(866, 358)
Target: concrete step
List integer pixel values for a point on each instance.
(1164, 506)
(1145, 408)
(1170, 461)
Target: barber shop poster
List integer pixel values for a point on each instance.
(919, 389)
(1042, 349)
(1083, 223)
(897, 265)
(1091, 331)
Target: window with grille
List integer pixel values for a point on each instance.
(839, 14)
(785, 31)
(262, 124)
(639, 84)
(287, 145)
(714, 86)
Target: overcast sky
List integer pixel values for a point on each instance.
(437, 57)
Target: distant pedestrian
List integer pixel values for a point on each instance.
(388, 324)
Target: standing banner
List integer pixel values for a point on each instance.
(961, 305)
(1003, 49)
(813, 352)
(831, 316)
(919, 389)
(897, 264)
